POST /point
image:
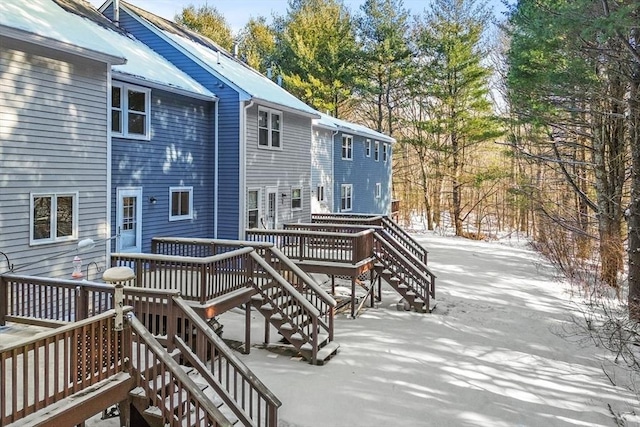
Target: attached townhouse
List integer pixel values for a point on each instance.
(262, 160)
(358, 162)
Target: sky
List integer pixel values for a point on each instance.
(238, 12)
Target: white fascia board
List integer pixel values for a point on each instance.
(61, 46)
(377, 137)
(128, 78)
(275, 105)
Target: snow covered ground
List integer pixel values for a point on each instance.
(497, 351)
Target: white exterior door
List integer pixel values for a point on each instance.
(272, 208)
(129, 220)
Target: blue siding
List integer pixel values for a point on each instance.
(229, 126)
(180, 153)
(363, 173)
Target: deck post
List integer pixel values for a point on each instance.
(247, 328)
(4, 300)
(353, 297)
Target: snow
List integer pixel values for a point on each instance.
(328, 121)
(499, 350)
(47, 19)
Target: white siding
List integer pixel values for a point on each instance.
(321, 169)
(285, 169)
(53, 138)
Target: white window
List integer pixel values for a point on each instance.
(269, 128)
(347, 147)
(376, 152)
(130, 111)
(346, 192)
(368, 148)
(320, 193)
(384, 152)
(296, 199)
(180, 203)
(378, 190)
(253, 208)
(54, 217)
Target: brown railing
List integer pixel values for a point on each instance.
(405, 239)
(197, 279)
(351, 248)
(418, 278)
(245, 395)
(41, 371)
(166, 384)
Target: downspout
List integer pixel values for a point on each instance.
(332, 208)
(109, 169)
(242, 179)
(216, 171)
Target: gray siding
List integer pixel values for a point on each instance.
(287, 168)
(322, 169)
(53, 138)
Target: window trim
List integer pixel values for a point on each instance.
(368, 148)
(376, 151)
(343, 188)
(378, 190)
(53, 218)
(349, 149)
(293, 189)
(181, 189)
(124, 111)
(258, 206)
(270, 112)
(384, 152)
(320, 193)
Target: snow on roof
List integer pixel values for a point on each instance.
(326, 120)
(237, 74)
(47, 19)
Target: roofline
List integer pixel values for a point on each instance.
(379, 136)
(186, 52)
(51, 43)
(271, 104)
(324, 126)
(131, 78)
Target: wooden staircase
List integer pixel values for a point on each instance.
(296, 307)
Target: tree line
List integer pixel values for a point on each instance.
(526, 124)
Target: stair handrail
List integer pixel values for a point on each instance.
(246, 375)
(426, 277)
(193, 392)
(405, 238)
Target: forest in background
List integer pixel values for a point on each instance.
(526, 123)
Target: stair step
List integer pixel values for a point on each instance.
(153, 412)
(386, 271)
(266, 307)
(327, 351)
(394, 279)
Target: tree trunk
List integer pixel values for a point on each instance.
(456, 187)
(634, 205)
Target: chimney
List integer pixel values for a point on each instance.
(235, 50)
(218, 57)
(116, 12)
(279, 80)
(269, 73)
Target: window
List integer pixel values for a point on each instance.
(54, 217)
(384, 152)
(269, 128)
(378, 190)
(368, 148)
(296, 198)
(253, 209)
(130, 107)
(347, 147)
(320, 193)
(346, 191)
(180, 203)
(376, 152)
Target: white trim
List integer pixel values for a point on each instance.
(348, 138)
(376, 151)
(216, 171)
(270, 112)
(119, 76)
(367, 148)
(124, 111)
(267, 191)
(301, 199)
(384, 152)
(378, 192)
(350, 187)
(53, 225)
(129, 192)
(109, 218)
(242, 168)
(180, 189)
(258, 206)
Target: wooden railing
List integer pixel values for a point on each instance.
(418, 278)
(197, 279)
(385, 222)
(38, 372)
(351, 248)
(245, 395)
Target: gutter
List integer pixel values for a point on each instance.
(130, 78)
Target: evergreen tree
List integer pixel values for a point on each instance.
(206, 20)
(257, 43)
